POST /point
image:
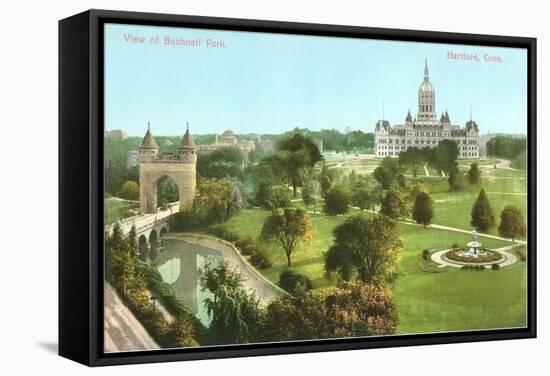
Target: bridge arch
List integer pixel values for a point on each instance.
(143, 246)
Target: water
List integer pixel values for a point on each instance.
(180, 264)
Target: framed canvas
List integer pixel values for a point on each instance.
(234, 187)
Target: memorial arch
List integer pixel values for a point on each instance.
(180, 167)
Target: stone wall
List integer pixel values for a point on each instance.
(265, 290)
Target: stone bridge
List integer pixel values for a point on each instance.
(150, 228)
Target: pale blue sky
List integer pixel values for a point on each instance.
(270, 83)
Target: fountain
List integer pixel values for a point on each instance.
(473, 248)
(472, 254)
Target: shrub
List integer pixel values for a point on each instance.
(521, 254)
(425, 254)
(222, 232)
(259, 260)
(294, 283)
(455, 245)
(184, 221)
(495, 267)
(247, 246)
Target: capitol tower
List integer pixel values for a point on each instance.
(425, 130)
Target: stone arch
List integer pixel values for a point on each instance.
(153, 237)
(168, 187)
(143, 247)
(163, 231)
(183, 175)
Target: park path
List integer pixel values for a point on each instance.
(123, 332)
(456, 229)
(410, 222)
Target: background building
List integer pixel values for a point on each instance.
(228, 139)
(425, 130)
(116, 135)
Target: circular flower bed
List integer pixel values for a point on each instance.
(487, 256)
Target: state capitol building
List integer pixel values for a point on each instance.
(425, 130)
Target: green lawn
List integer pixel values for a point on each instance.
(118, 209)
(448, 300)
(428, 298)
(454, 208)
(455, 299)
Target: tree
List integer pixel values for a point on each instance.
(387, 173)
(444, 156)
(288, 227)
(456, 179)
(264, 194)
(235, 313)
(121, 259)
(311, 193)
(216, 201)
(507, 147)
(294, 283)
(412, 158)
(336, 201)
(512, 223)
(474, 174)
(423, 209)
(354, 309)
(376, 194)
(360, 194)
(482, 213)
(280, 198)
(368, 246)
(393, 204)
(296, 155)
(129, 190)
(225, 162)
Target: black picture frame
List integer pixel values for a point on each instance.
(81, 170)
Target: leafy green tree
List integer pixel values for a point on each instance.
(336, 201)
(216, 201)
(360, 195)
(376, 194)
(508, 147)
(294, 282)
(512, 224)
(423, 211)
(482, 213)
(368, 246)
(393, 204)
(474, 174)
(296, 156)
(456, 179)
(288, 227)
(280, 198)
(226, 162)
(120, 260)
(354, 309)
(388, 172)
(311, 193)
(235, 313)
(129, 190)
(444, 156)
(264, 194)
(412, 158)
